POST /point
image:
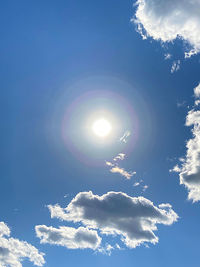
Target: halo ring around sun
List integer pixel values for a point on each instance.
(94, 122)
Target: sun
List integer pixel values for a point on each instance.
(101, 127)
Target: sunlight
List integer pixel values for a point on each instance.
(101, 127)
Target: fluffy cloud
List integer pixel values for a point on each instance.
(134, 219)
(189, 172)
(167, 20)
(68, 237)
(197, 91)
(13, 251)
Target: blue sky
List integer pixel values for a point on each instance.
(62, 62)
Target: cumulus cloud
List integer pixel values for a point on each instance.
(69, 237)
(134, 219)
(175, 66)
(189, 171)
(117, 169)
(13, 251)
(168, 20)
(197, 91)
(197, 102)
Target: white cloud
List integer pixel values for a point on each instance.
(167, 20)
(110, 164)
(197, 102)
(120, 156)
(108, 249)
(189, 171)
(69, 237)
(13, 251)
(175, 66)
(197, 91)
(125, 137)
(134, 219)
(167, 56)
(117, 169)
(145, 187)
(142, 185)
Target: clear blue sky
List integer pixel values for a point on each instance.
(52, 53)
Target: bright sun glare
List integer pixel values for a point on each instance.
(101, 127)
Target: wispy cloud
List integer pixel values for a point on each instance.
(115, 168)
(107, 249)
(167, 56)
(120, 156)
(14, 251)
(141, 185)
(110, 164)
(123, 172)
(134, 219)
(181, 104)
(170, 20)
(175, 66)
(125, 137)
(145, 187)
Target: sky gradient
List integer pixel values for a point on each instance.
(113, 201)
